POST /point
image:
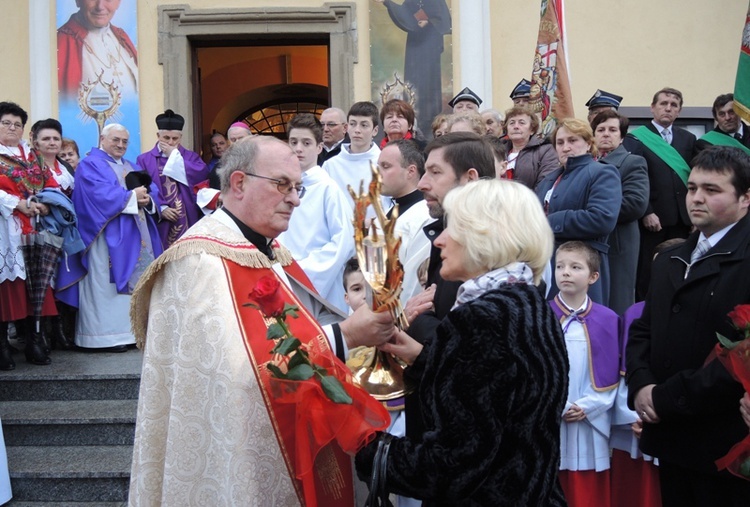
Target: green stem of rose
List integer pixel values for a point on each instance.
(282, 322)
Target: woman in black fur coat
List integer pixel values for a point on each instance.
(493, 382)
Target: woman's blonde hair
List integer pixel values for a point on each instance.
(473, 120)
(579, 128)
(499, 222)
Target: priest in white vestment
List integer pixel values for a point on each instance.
(209, 430)
(401, 165)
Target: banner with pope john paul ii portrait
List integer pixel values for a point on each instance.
(97, 69)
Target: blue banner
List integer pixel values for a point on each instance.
(97, 69)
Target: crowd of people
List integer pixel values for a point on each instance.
(526, 260)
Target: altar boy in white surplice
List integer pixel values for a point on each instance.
(320, 234)
(591, 338)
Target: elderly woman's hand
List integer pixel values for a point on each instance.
(403, 346)
(422, 302)
(24, 207)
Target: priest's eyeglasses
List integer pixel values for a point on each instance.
(283, 185)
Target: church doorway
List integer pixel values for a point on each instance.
(255, 65)
(261, 85)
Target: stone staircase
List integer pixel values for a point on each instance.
(69, 428)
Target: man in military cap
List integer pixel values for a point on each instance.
(466, 100)
(175, 170)
(601, 101)
(520, 94)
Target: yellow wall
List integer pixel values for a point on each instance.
(153, 102)
(14, 53)
(631, 47)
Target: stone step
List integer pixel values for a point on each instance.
(74, 376)
(75, 422)
(70, 474)
(14, 503)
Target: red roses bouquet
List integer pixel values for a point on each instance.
(317, 408)
(735, 356)
(296, 358)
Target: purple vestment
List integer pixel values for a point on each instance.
(174, 193)
(602, 327)
(632, 313)
(99, 199)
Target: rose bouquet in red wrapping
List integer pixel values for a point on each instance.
(321, 414)
(270, 301)
(735, 356)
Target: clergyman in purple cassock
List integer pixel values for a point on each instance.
(116, 219)
(176, 171)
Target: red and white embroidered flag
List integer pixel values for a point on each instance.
(550, 85)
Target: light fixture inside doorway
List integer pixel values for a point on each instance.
(271, 119)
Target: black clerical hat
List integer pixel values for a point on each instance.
(169, 120)
(135, 179)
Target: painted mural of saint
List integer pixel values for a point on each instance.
(425, 22)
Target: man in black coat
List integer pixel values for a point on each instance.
(666, 216)
(689, 406)
(335, 126)
(452, 160)
(727, 123)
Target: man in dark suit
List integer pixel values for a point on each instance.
(334, 125)
(668, 151)
(688, 405)
(727, 123)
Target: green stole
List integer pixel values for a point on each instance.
(719, 139)
(664, 151)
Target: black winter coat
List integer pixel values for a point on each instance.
(493, 386)
(669, 344)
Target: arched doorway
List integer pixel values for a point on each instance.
(284, 44)
(262, 84)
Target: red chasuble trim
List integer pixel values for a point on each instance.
(313, 432)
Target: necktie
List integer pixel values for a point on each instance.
(737, 136)
(700, 250)
(667, 136)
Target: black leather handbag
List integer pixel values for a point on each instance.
(378, 496)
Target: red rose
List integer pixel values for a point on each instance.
(268, 297)
(741, 317)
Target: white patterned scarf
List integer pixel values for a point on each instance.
(515, 272)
